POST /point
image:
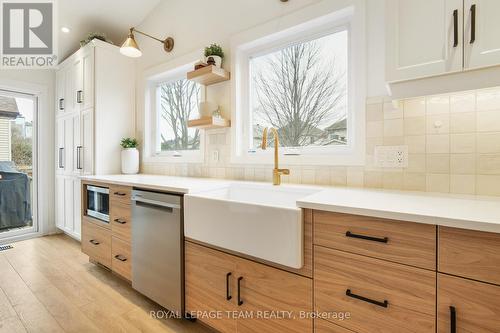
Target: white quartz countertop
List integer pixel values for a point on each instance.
(467, 212)
(181, 185)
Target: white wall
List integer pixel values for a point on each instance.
(46, 80)
(194, 24)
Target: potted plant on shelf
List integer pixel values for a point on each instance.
(130, 156)
(214, 55)
(94, 35)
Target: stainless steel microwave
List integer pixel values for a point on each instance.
(98, 203)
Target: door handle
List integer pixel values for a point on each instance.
(120, 221)
(79, 96)
(120, 257)
(228, 295)
(453, 320)
(472, 24)
(455, 28)
(240, 301)
(383, 304)
(369, 238)
(60, 158)
(79, 157)
(93, 241)
(61, 104)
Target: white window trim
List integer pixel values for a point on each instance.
(309, 23)
(174, 69)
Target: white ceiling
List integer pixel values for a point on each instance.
(111, 17)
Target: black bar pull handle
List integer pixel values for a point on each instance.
(120, 257)
(453, 320)
(240, 301)
(369, 238)
(79, 96)
(383, 304)
(61, 104)
(94, 242)
(60, 158)
(455, 28)
(79, 157)
(120, 221)
(473, 23)
(228, 294)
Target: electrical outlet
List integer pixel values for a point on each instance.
(391, 156)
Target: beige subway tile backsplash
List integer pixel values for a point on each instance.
(463, 143)
(438, 105)
(463, 102)
(453, 144)
(414, 107)
(463, 164)
(463, 122)
(488, 143)
(488, 121)
(438, 144)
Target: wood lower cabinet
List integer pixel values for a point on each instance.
(214, 278)
(209, 282)
(114, 238)
(121, 257)
(473, 306)
(470, 254)
(120, 219)
(398, 241)
(96, 243)
(324, 326)
(379, 296)
(268, 290)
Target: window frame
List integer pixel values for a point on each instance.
(153, 78)
(265, 39)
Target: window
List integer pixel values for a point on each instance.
(178, 103)
(306, 79)
(301, 90)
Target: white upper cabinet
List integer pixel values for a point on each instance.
(482, 33)
(424, 38)
(427, 38)
(96, 91)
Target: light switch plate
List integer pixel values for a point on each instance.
(391, 156)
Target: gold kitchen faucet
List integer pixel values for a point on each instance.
(277, 172)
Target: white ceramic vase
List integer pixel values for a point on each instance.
(218, 60)
(130, 161)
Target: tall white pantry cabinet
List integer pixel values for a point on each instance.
(95, 100)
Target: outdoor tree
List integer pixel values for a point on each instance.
(179, 101)
(296, 91)
(21, 148)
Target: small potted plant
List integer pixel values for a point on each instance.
(130, 156)
(214, 55)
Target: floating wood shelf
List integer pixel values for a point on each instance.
(209, 122)
(209, 75)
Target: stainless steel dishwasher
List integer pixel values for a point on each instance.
(157, 248)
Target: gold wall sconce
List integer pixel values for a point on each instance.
(130, 48)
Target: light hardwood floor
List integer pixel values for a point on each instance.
(48, 285)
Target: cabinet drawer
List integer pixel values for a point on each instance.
(380, 296)
(120, 218)
(323, 326)
(402, 242)
(120, 193)
(471, 254)
(476, 305)
(96, 243)
(121, 259)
